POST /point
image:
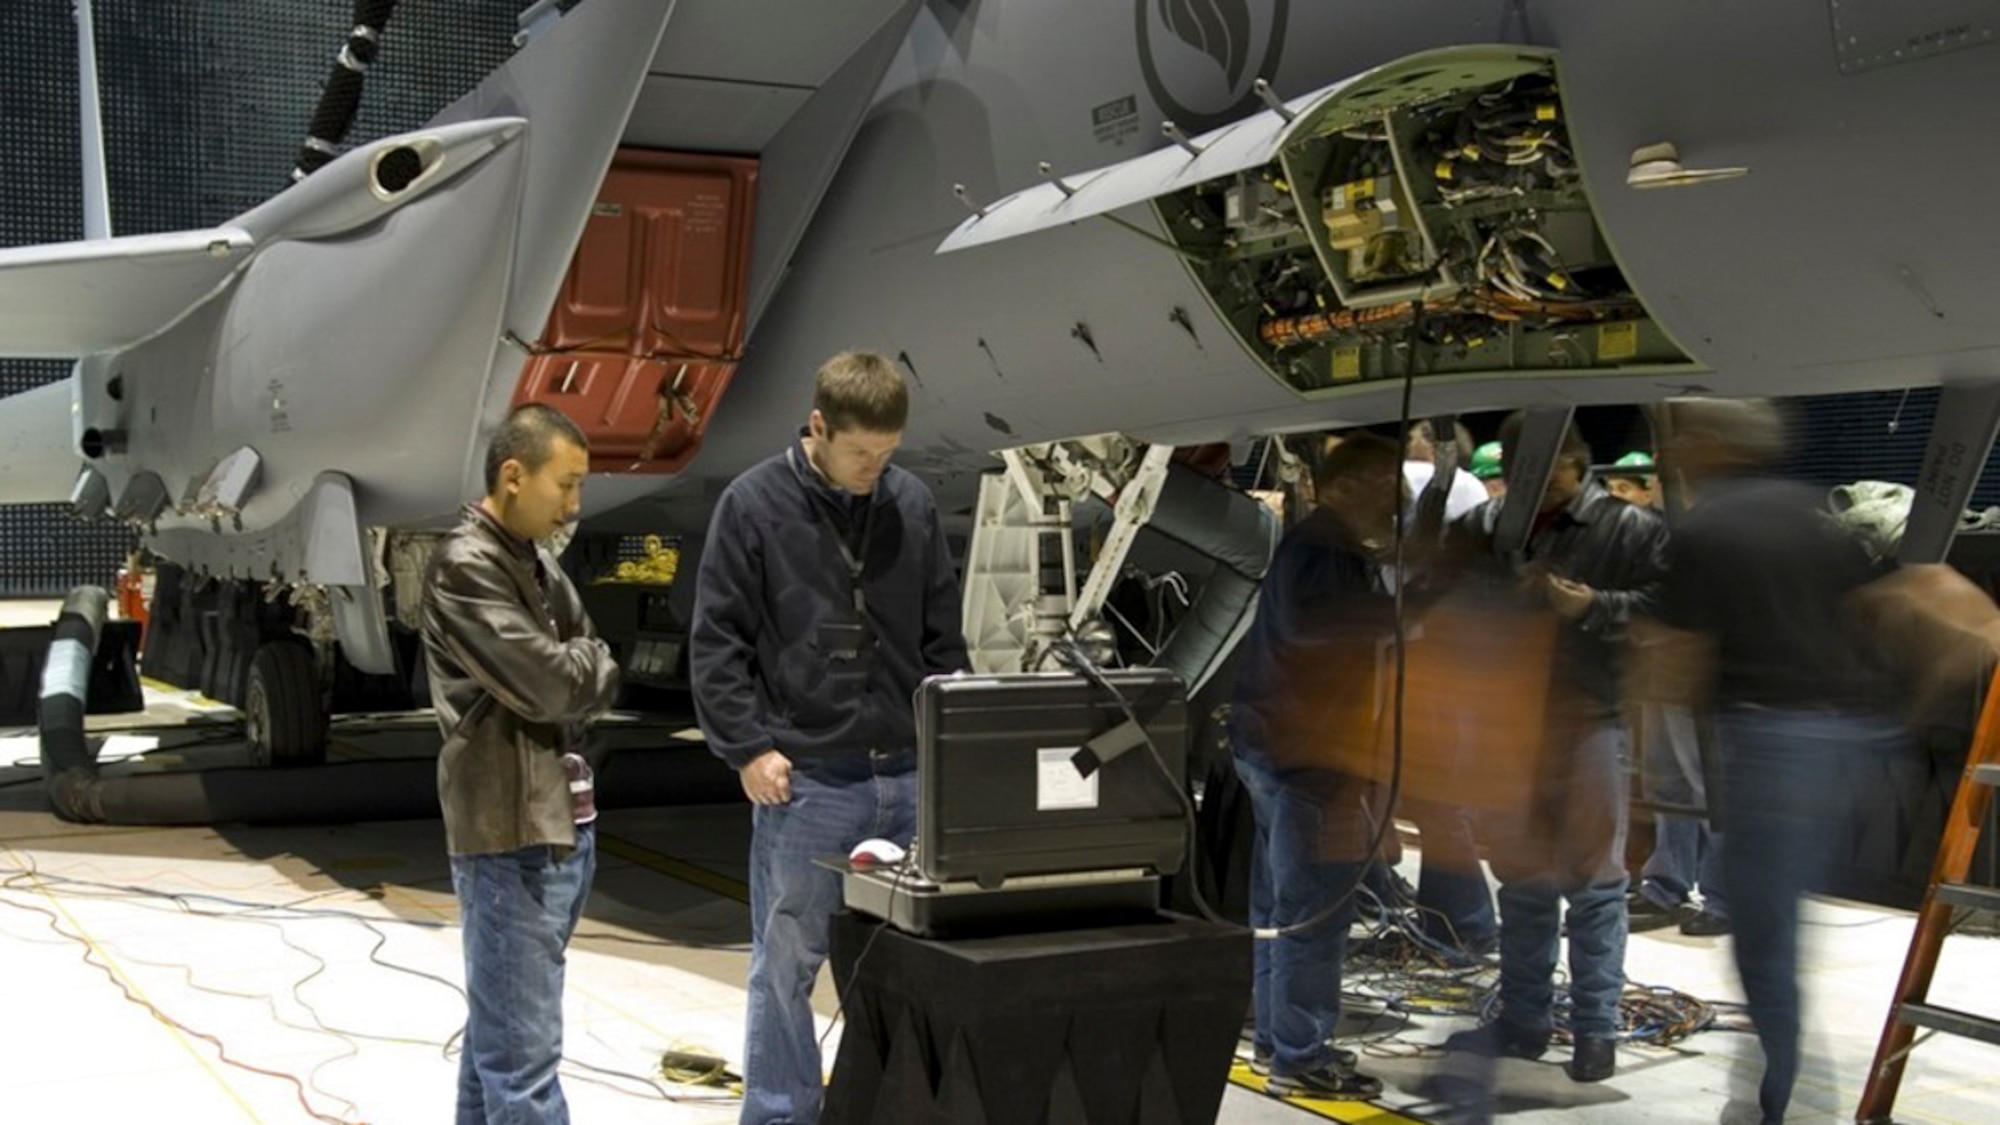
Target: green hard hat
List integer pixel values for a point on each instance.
(1486, 461)
(1634, 460)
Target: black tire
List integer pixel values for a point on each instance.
(284, 715)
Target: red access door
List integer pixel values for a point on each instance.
(648, 327)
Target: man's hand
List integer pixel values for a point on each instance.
(1570, 599)
(767, 780)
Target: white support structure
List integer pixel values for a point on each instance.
(1131, 505)
(1020, 573)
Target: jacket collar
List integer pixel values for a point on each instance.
(809, 478)
(1589, 502)
(522, 548)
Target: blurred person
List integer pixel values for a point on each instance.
(1757, 569)
(1453, 904)
(516, 671)
(1321, 617)
(1464, 492)
(1420, 443)
(1594, 562)
(1680, 882)
(1686, 858)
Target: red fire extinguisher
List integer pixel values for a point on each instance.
(135, 593)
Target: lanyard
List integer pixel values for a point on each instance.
(855, 563)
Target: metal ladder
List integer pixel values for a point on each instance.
(1947, 893)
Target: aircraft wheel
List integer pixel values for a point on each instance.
(282, 707)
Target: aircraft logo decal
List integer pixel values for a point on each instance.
(1200, 58)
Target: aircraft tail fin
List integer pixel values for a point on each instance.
(575, 81)
(96, 184)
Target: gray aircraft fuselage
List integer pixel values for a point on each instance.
(1858, 252)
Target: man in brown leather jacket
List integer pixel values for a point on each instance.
(515, 672)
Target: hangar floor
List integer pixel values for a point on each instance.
(312, 973)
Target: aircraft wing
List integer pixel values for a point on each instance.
(38, 458)
(1249, 143)
(71, 299)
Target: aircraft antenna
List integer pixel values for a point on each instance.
(96, 186)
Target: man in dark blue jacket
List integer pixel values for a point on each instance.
(826, 594)
(1308, 664)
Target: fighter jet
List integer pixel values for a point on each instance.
(1091, 233)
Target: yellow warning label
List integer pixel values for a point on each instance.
(1347, 197)
(1545, 112)
(1617, 341)
(1346, 364)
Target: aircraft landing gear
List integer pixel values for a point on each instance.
(284, 710)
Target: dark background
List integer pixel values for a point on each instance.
(204, 107)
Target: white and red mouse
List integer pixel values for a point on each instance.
(876, 851)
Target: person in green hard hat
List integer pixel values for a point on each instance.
(1631, 479)
(1487, 467)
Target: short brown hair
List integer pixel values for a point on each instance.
(1358, 453)
(1751, 430)
(1427, 433)
(528, 436)
(861, 391)
(1574, 449)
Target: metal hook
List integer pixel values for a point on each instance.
(1048, 172)
(965, 197)
(1274, 102)
(1174, 134)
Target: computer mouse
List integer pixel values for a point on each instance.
(874, 851)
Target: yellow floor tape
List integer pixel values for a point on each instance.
(667, 865)
(1349, 1113)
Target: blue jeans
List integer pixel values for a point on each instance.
(1454, 904)
(1783, 809)
(836, 804)
(1569, 844)
(1292, 879)
(517, 911)
(1686, 849)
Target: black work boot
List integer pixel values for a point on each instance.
(1593, 1059)
(1501, 1039)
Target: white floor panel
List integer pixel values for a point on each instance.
(659, 965)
